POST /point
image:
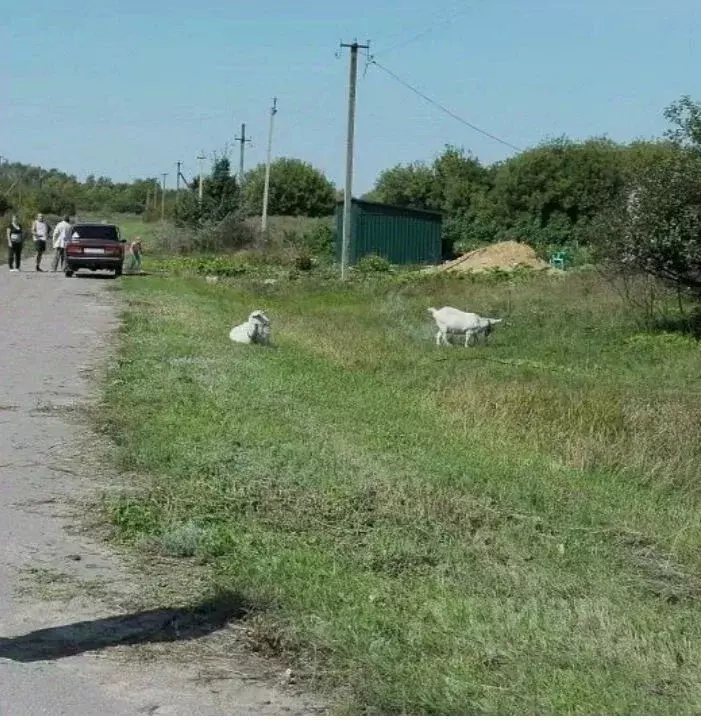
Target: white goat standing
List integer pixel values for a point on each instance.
(255, 330)
(452, 320)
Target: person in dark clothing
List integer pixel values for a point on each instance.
(14, 244)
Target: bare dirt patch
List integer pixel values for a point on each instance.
(509, 255)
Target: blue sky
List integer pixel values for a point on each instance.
(125, 88)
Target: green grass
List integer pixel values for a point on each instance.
(502, 530)
(160, 239)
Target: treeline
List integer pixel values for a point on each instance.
(555, 194)
(546, 196)
(296, 188)
(29, 189)
(636, 206)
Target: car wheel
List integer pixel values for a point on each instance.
(68, 273)
(117, 272)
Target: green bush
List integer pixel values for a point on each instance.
(222, 266)
(304, 263)
(373, 264)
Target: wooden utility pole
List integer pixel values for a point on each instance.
(163, 197)
(242, 140)
(266, 187)
(347, 190)
(200, 160)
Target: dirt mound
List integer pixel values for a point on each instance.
(499, 256)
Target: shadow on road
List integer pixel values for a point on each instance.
(151, 626)
(94, 275)
(107, 276)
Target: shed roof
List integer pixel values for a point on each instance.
(404, 209)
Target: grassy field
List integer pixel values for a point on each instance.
(500, 530)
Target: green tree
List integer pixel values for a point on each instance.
(549, 194)
(655, 226)
(221, 190)
(296, 188)
(463, 185)
(685, 118)
(412, 185)
(220, 197)
(450, 185)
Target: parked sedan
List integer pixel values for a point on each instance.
(94, 246)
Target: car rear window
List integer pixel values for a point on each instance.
(95, 232)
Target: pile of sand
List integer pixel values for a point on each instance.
(499, 256)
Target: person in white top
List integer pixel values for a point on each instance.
(40, 232)
(60, 237)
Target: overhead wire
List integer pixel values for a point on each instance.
(462, 10)
(372, 61)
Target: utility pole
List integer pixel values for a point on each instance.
(177, 189)
(186, 184)
(347, 189)
(242, 140)
(266, 187)
(163, 197)
(200, 160)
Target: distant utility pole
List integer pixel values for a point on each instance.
(200, 160)
(186, 184)
(266, 187)
(177, 182)
(347, 190)
(242, 140)
(163, 197)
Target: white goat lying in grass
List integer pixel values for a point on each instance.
(452, 320)
(255, 330)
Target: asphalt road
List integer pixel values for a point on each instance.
(60, 655)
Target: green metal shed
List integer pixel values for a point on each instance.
(402, 235)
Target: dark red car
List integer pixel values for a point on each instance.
(94, 246)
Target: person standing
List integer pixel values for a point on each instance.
(135, 260)
(14, 243)
(60, 238)
(40, 232)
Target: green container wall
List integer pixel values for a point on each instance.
(403, 236)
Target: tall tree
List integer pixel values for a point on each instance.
(654, 224)
(296, 188)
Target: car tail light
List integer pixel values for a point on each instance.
(74, 249)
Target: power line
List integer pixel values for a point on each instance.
(440, 24)
(371, 61)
